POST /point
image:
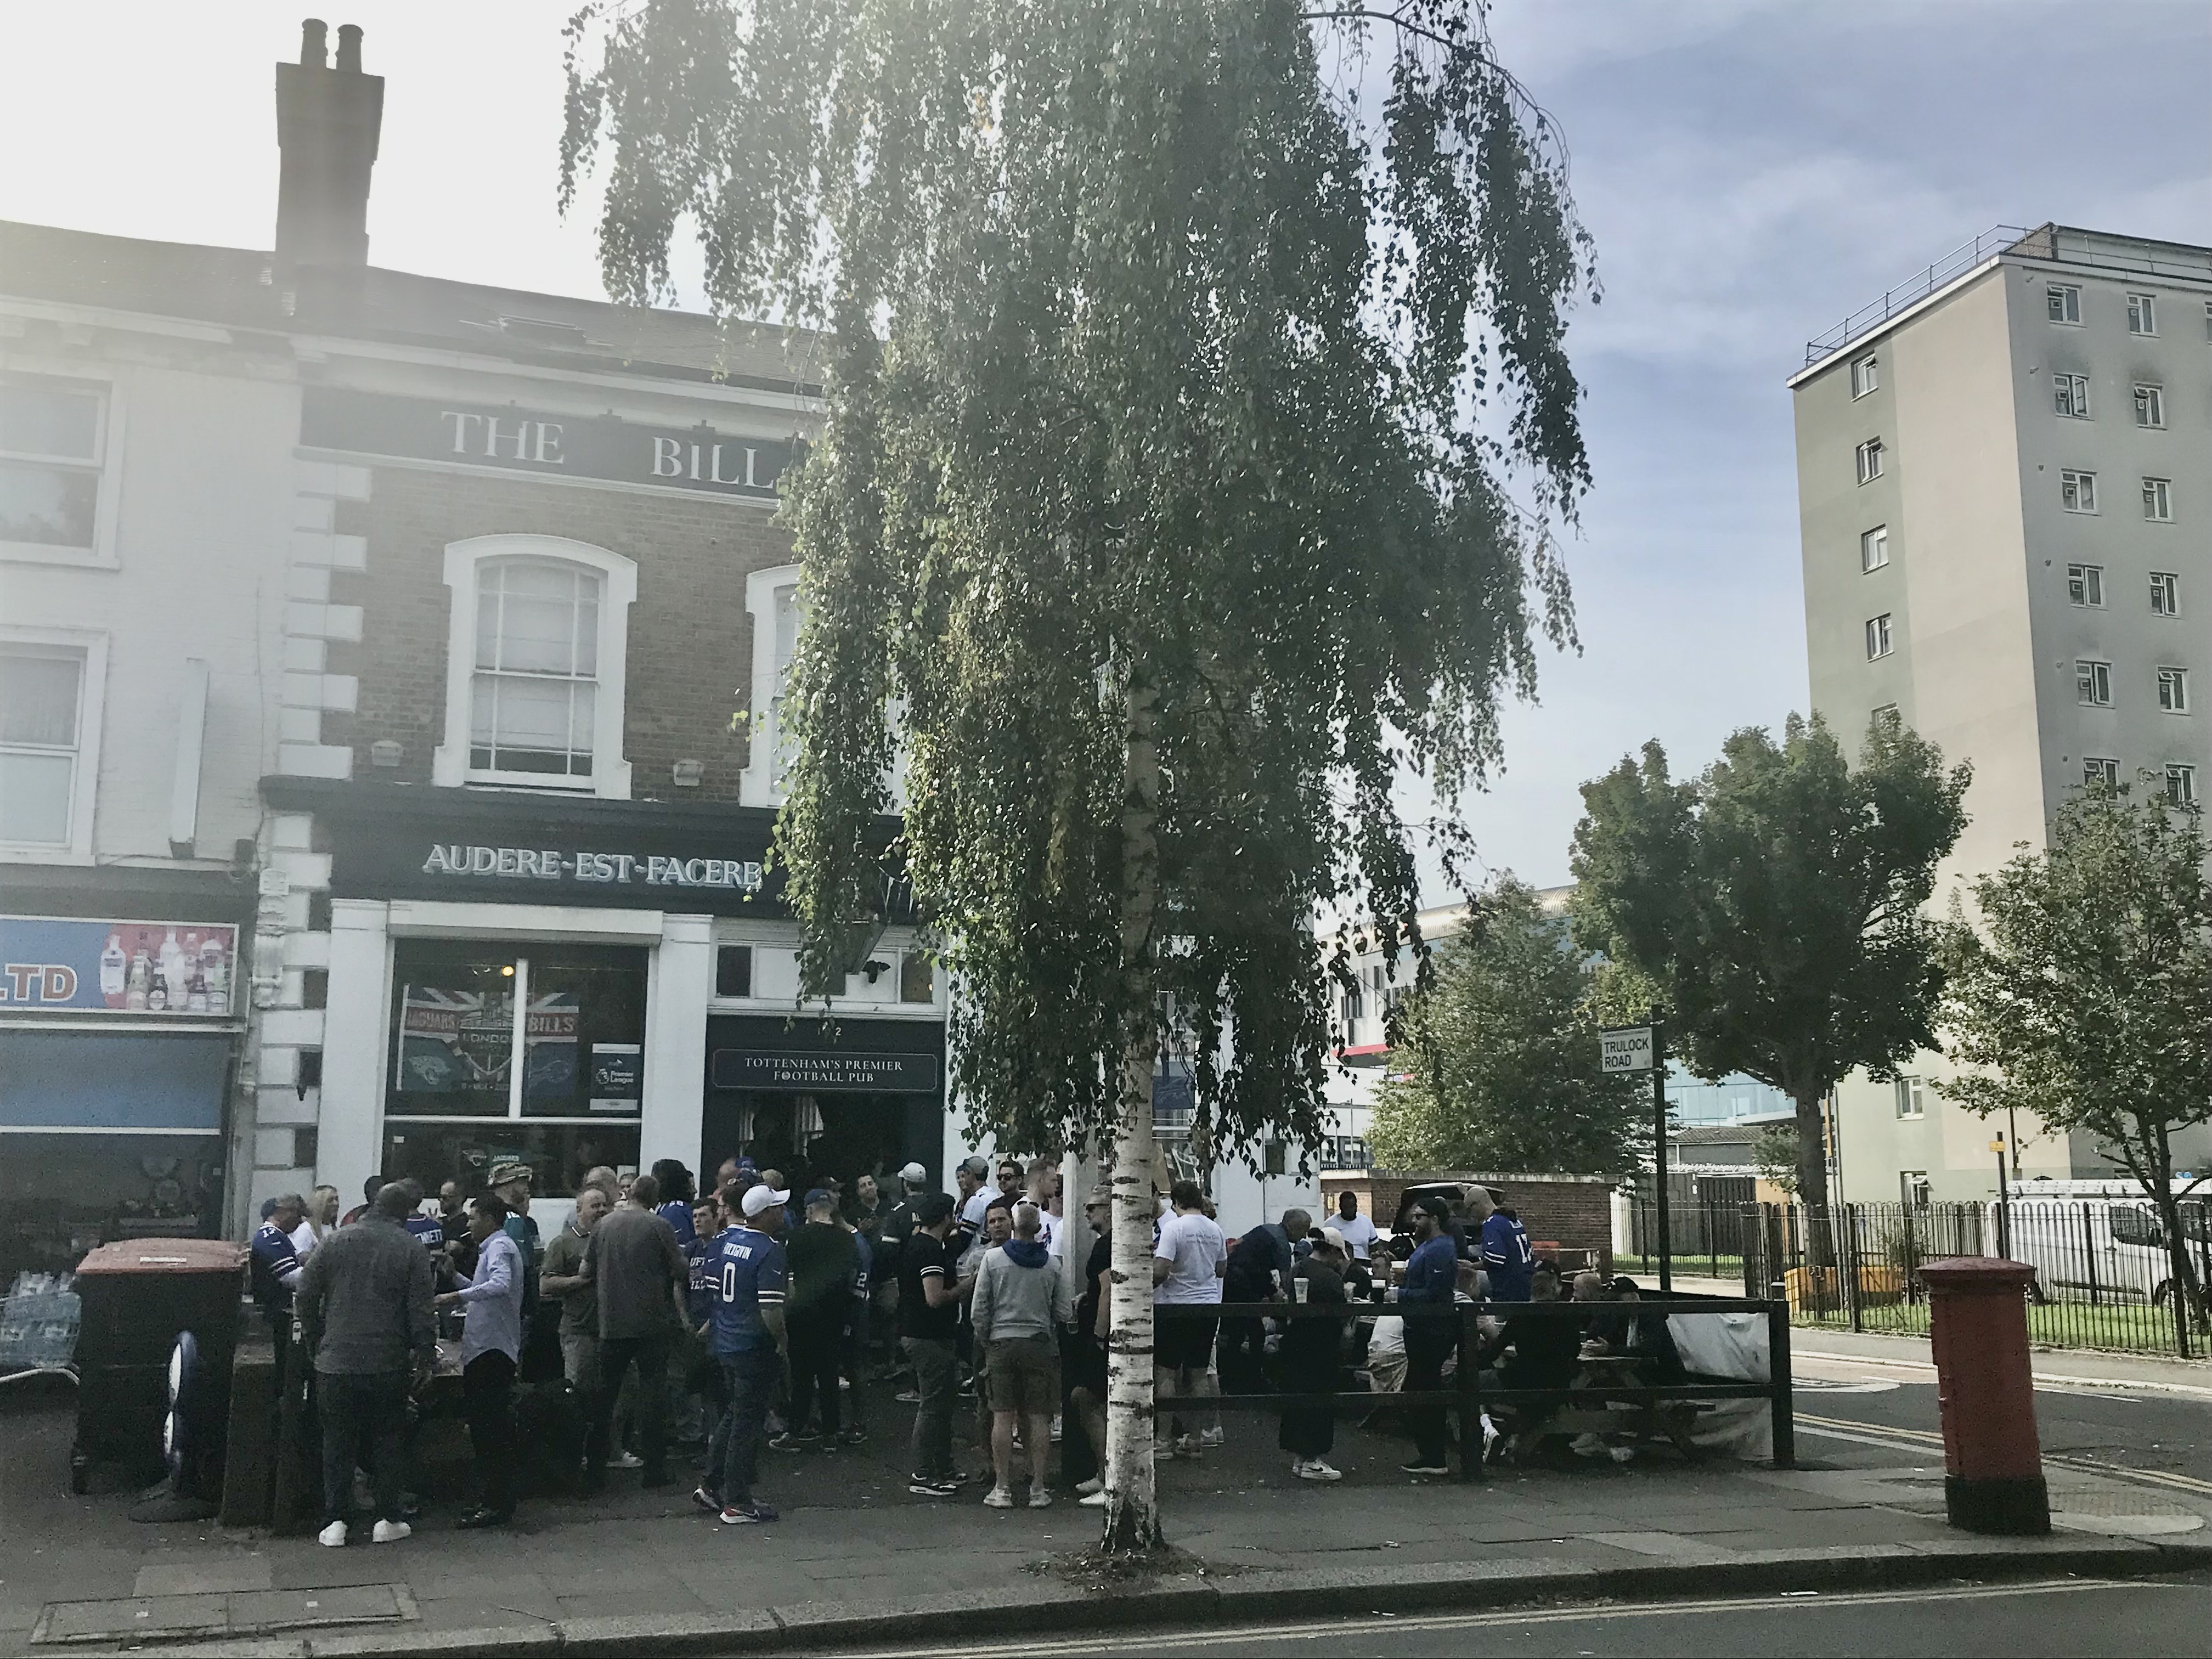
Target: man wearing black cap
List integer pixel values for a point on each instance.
(929, 1310)
(825, 1265)
(1428, 1295)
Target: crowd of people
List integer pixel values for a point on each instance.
(748, 1318)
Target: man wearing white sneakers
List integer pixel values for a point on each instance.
(1188, 1263)
(1020, 1304)
(364, 1300)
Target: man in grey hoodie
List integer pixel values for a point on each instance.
(1020, 1303)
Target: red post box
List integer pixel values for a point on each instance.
(1992, 1462)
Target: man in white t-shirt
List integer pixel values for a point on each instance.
(1359, 1231)
(1187, 1262)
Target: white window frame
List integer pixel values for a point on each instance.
(2181, 784)
(758, 784)
(2143, 315)
(1873, 549)
(2173, 690)
(610, 769)
(1866, 375)
(1880, 637)
(1869, 459)
(2100, 768)
(2062, 304)
(2150, 405)
(2085, 585)
(2069, 397)
(84, 782)
(2092, 683)
(2083, 486)
(101, 555)
(2165, 593)
(1912, 1098)
(2158, 501)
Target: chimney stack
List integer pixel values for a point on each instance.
(328, 120)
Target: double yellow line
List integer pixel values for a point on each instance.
(1920, 1439)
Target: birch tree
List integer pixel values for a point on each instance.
(1197, 421)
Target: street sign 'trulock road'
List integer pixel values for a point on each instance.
(1624, 1049)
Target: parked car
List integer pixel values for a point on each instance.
(2107, 1246)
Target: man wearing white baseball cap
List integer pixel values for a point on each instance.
(747, 1278)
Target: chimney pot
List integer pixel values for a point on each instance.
(348, 48)
(314, 33)
(327, 125)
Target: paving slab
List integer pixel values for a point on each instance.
(211, 1574)
(133, 1618)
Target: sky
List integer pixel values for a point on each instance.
(1752, 170)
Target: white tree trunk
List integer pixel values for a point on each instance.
(1133, 1520)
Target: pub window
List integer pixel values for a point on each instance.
(917, 977)
(535, 1057)
(535, 667)
(772, 600)
(733, 970)
(50, 694)
(54, 445)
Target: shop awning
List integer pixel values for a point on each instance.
(154, 1082)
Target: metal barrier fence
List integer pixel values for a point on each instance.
(1467, 1397)
(2104, 1276)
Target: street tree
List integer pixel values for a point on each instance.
(1775, 904)
(1500, 1056)
(2083, 989)
(1197, 421)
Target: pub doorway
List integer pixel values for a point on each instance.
(835, 1125)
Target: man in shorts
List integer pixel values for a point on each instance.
(1020, 1304)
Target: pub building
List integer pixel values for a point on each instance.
(523, 621)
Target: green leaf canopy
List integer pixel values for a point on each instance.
(1157, 358)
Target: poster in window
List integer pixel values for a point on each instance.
(74, 965)
(454, 1042)
(617, 1077)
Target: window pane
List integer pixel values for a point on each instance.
(523, 725)
(452, 1019)
(586, 1042)
(52, 506)
(35, 797)
(38, 697)
(46, 420)
(559, 1155)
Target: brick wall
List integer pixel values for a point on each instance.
(690, 645)
(1573, 1212)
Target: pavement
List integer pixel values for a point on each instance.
(855, 1558)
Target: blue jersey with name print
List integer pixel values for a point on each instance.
(1507, 1258)
(746, 1273)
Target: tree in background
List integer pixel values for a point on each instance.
(2085, 987)
(1502, 1053)
(1775, 904)
(1178, 359)
(1774, 1155)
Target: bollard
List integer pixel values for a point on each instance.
(1993, 1464)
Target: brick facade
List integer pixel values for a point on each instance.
(689, 637)
(1572, 1211)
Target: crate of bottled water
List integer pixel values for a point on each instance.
(38, 1323)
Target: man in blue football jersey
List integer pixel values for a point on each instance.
(276, 1259)
(747, 1280)
(1506, 1256)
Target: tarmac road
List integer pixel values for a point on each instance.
(2020, 1621)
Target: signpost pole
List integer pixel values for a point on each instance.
(1659, 1155)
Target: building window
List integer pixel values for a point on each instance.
(1873, 548)
(54, 442)
(917, 977)
(1911, 1097)
(1870, 460)
(1354, 1009)
(1878, 642)
(2143, 314)
(772, 600)
(2158, 501)
(2070, 395)
(536, 701)
(2150, 405)
(2173, 690)
(2165, 593)
(537, 1058)
(1884, 715)
(2093, 684)
(2085, 585)
(733, 970)
(2065, 302)
(1912, 1186)
(2077, 491)
(1866, 375)
(42, 728)
(2181, 785)
(2100, 770)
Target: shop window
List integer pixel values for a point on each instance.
(733, 970)
(50, 694)
(537, 1056)
(536, 658)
